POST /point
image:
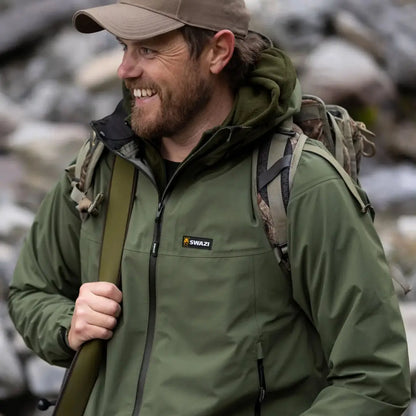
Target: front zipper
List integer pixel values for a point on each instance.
(151, 322)
(262, 380)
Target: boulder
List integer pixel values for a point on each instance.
(398, 179)
(44, 380)
(293, 25)
(10, 116)
(338, 71)
(408, 310)
(30, 21)
(101, 71)
(394, 23)
(44, 150)
(12, 379)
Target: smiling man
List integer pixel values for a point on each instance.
(204, 321)
(177, 97)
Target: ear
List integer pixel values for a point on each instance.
(221, 51)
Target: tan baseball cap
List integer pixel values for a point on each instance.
(143, 19)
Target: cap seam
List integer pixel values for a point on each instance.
(178, 8)
(155, 11)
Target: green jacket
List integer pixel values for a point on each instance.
(196, 321)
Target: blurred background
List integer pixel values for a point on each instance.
(54, 81)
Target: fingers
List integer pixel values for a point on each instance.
(98, 303)
(95, 315)
(103, 289)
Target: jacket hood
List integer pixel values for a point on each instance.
(270, 95)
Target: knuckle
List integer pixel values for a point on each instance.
(79, 327)
(112, 322)
(115, 309)
(106, 334)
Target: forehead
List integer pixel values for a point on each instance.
(167, 39)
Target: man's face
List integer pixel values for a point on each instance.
(169, 88)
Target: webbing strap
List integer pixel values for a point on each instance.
(347, 178)
(270, 174)
(82, 374)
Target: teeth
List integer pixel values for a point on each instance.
(143, 92)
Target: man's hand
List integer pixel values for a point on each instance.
(96, 311)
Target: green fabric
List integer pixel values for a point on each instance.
(332, 336)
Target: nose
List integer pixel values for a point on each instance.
(129, 67)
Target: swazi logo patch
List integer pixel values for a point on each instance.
(197, 242)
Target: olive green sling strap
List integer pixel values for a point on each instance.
(81, 376)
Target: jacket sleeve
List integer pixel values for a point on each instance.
(47, 277)
(341, 281)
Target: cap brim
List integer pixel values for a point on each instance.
(124, 21)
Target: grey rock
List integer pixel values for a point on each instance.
(12, 217)
(394, 22)
(383, 27)
(408, 311)
(347, 26)
(56, 59)
(10, 116)
(43, 378)
(337, 70)
(406, 226)
(101, 71)
(53, 100)
(31, 21)
(294, 25)
(12, 380)
(399, 179)
(8, 259)
(403, 144)
(44, 150)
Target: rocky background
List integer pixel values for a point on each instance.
(53, 81)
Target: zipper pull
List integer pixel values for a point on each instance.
(155, 248)
(159, 213)
(158, 219)
(262, 380)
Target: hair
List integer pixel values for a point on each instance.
(246, 52)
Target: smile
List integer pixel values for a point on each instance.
(144, 92)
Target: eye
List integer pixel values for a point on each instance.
(147, 52)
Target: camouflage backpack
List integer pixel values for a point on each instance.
(346, 140)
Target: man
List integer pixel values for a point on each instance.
(208, 331)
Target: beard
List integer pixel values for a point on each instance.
(178, 107)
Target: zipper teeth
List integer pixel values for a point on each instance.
(149, 338)
(151, 323)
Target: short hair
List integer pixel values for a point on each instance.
(246, 52)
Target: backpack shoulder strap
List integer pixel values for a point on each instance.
(81, 376)
(80, 174)
(278, 156)
(364, 205)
